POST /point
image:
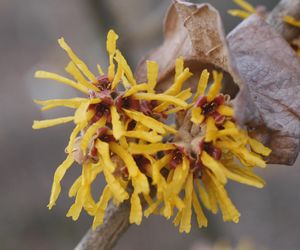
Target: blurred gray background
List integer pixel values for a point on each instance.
(28, 33)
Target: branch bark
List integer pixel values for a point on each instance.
(106, 236)
(116, 221)
(285, 8)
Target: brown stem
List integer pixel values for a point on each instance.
(117, 218)
(285, 8)
(106, 236)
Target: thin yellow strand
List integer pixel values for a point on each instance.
(245, 5)
(202, 84)
(78, 62)
(152, 73)
(61, 79)
(51, 122)
(75, 72)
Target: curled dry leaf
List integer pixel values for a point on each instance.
(195, 32)
(271, 71)
(259, 61)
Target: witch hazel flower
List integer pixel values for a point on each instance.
(121, 133)
(105, 122)
(193, 174)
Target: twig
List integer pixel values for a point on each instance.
(285, 8)
(116, 221)
(106, 236)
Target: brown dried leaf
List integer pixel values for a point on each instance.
(195, 32)
(271, 71)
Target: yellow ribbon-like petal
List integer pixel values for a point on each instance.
(91, 131)
(111, 44)
(185, 222)
(59, 174)
(229, 211)
(124, 65)
(179, 66)
(242, 175)
(211, 130)
(146, 136)
(78, 62)
(61, 79)
(179, 81)
(101, 207)
(75, 72)
(136, 213)
(151, 209)
(245, 5)
(51, 122)
(100, 70)
(136, 88)
(197, 117)
(214, 166)
(225, 110)
(149, 148)
(213, 205)
(72, 139)
(96, 169)
(103, 150)
(239, 13)
(116, 188)
(152, 73)
(203, 195)
(201, 218)
(147, 121)
(292, 21)
(258, 147)
(161, 97)
(76, 208)
(202, 84)
(81, 114)
(118, 128)
(183, 95)
(178, 179)
(69, 103)
(140, 183)
(215, 88)
(156, 168)
(117, 78)
(126, 157)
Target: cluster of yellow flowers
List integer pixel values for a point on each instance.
(121, 132)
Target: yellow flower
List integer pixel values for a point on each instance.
(121, 132)
(220, 152)
(105, 121)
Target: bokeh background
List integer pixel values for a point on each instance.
(28, 33)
